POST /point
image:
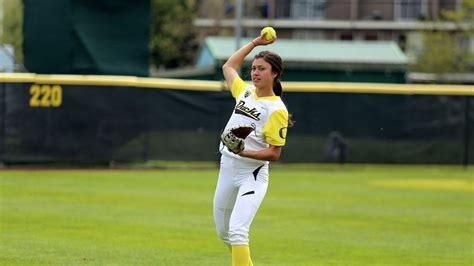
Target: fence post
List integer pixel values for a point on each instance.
(146, 145)
(467, 119)
(3, 117)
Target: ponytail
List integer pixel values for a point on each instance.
(277, 88)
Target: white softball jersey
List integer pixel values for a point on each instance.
(268, 115)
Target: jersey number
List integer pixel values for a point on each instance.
(46, 96)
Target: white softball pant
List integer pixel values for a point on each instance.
(240, 191)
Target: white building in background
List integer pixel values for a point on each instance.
(370, 20)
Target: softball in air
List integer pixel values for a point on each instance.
(271, 33)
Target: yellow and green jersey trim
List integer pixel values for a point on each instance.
(276, 127)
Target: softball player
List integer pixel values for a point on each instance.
(243, 177)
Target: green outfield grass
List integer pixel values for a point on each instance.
(312, 215)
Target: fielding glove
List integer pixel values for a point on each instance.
(233, 138)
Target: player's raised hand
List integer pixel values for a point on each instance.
(267, 36)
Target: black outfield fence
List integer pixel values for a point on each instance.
(87, 119)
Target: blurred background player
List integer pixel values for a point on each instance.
(243, 177)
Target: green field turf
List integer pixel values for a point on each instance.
(312, 215)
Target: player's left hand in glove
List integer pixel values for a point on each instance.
(233, 138)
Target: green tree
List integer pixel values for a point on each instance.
(12, 26)
(172, 38)
(442, 52)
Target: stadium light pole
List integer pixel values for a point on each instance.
(238, 24)
(1, 19)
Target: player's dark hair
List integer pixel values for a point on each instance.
(277, 67)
